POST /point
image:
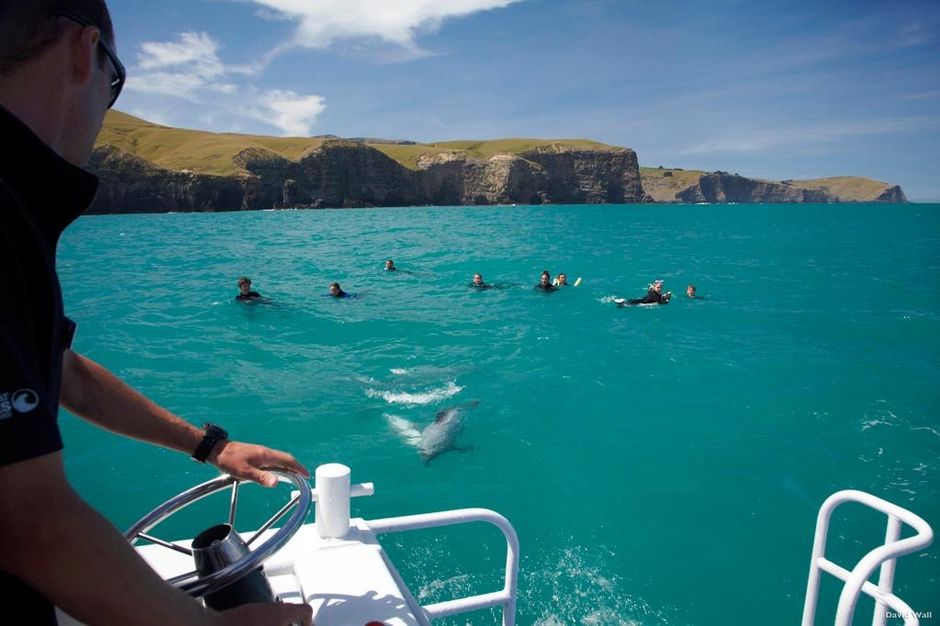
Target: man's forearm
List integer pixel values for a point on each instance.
(95, 394)
(58, 544)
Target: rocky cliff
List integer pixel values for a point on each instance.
(145, 167)
(722, 187)
(344, 173)
(129, 184)
(580, 176)
(677, 185)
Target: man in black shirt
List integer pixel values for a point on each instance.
(545, 282)
(59, 73)
(337, 292)
(245, 294)
(478, 282)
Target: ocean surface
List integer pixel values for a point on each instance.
(662, 465)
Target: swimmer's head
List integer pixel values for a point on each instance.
(244, 285)
(690, 291)
(478, 279)
(390, 265)
(657, 286)
(335, 289)
(562, 279)
(545, 279)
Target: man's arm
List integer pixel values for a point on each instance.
(95, 394)
(60, 546)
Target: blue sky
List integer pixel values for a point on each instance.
(766, 89)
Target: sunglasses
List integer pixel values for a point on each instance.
(120, 73)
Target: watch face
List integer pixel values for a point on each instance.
(215, 432)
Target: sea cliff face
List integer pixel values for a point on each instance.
(145, 167)
(342, 173)
(722, 187)
(677, 185)
(129, 184)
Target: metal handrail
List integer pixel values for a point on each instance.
(505, 598)
(885, 556)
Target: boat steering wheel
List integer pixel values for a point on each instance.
(190, 582)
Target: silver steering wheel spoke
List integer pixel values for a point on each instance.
(205, 585)
(166, 544)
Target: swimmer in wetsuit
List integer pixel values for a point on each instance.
(545, 283)
(690, 292)
(337, 292)
(655, 295)
(478, 283)
(390, 266)
(245, 293)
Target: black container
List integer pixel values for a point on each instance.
(218, 547)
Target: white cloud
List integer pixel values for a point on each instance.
(292, 113)
(198, 52)
(179, 84)
(913, 35)
(189, 68)
(181, 68)
(324, 22)
(760, 140)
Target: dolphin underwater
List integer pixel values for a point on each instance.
(437, 437)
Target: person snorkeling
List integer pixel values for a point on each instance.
(478, 283)
(245, 294)
(562, 281)
(337, 292)
(655, 295)
(545, 283)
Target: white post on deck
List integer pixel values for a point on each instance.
(333, 493)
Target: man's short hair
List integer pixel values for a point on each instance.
(243, 279)
(29, 27)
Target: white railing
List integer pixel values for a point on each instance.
(885, 556)
(332, 493)
(505, 597)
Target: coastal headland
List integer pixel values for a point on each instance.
(146, 167)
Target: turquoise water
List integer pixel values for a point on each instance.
(662, 465)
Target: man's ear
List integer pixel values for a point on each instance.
(83, 44)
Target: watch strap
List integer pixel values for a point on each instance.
(214, 435)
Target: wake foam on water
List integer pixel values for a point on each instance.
(573, 585)
(400, 371)
(404, 428)
(418, 398)
(609, 299)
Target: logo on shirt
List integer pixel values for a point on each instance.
(20, 401)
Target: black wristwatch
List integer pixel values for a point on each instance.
(214, 434)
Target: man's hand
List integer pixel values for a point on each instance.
(269, 614)
(248, 461)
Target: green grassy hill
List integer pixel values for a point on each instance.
(663, 184)
(199, 151)
(203, 152)
(214, 153)
(848, 188)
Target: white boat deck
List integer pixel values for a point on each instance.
(346, 581)
(337, 565)
(339, 568)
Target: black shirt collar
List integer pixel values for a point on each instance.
(53, 191)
